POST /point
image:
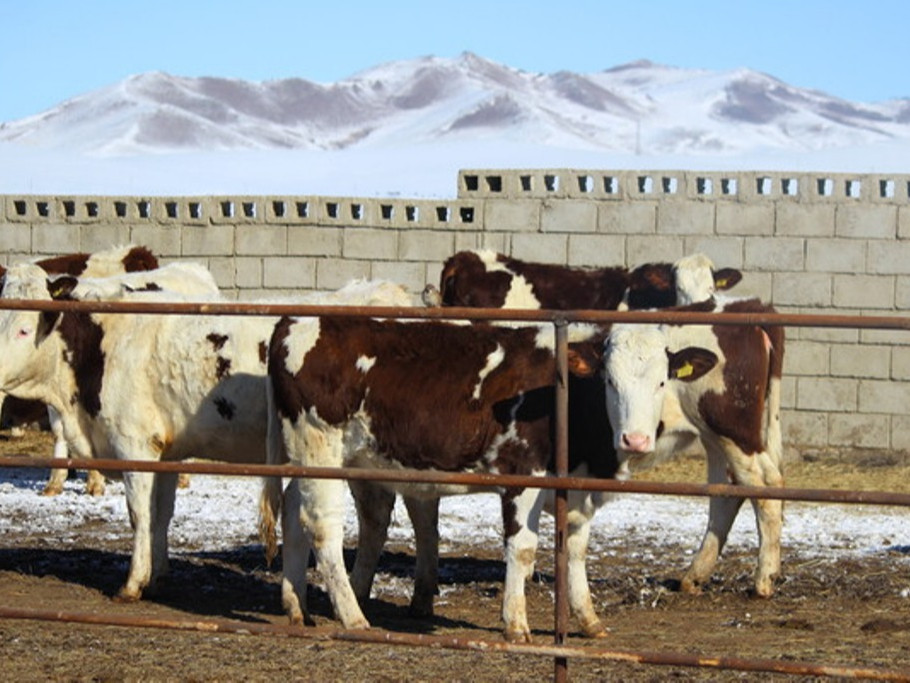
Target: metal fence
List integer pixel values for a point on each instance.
(561, 483)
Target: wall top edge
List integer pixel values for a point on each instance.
(581, 183)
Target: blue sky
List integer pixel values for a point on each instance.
(51, 50)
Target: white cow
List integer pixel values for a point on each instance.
(143, 387)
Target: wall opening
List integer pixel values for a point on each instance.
(526, 182)
(386, 211)
(494, 183)
(704, 186)
(171, 209)
(471, 183)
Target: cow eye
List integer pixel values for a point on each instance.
(22, 333)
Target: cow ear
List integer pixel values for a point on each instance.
(726, 278)
(584, 361)
(61, 287)
(690, 363)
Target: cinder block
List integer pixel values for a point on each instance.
(597, 250)
(211, 240)
(900, 363)
(289, 273)
(859, 431)
(804, 428)
(248, 272)
(370, 243)
(835, 256)
(826, 394)
(15, 238)
(685, 218)
(645, 249)
(568, 216)
(224, 272)
(806, 358)
(802, 289)
(512, 215)
(863, 291)
(332, 274)
(860, 360)
(734, 218)
(412, 275)
(425, 245)
(779, 254)
(794, 219)
(101, 236)
(262, 240)
(162, 240)
(725, 252)
(55, 238)
(314, 240)
(888, 257)
(552, 248)
(903, 221)
(866, 221)
(876, 396)
(900, 432)
(627, 218)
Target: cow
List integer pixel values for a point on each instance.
(143, 387)
(485, 278)
(724, 381)
(122, 259)
(430, 395)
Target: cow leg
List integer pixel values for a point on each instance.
(58, 476)
(424, 514)
(374, 512)
(722, 512)
(322, 512)
(769, 519)
(295, 556)
(322, 517)
(139, 495)
(520, 516)
(579, 529)
(165, 493)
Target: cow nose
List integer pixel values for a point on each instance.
(636, 442)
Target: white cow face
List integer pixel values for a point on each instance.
(640, 373)
(22, 331)
(697, 280)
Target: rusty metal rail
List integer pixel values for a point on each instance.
(375, 636)
(560, 652)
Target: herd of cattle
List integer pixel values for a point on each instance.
(385, 393)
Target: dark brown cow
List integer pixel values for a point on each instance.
(429, 395)
(486, 279)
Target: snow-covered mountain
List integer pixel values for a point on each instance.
(635, 108)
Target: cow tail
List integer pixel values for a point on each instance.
(270, 495)
(773, 405)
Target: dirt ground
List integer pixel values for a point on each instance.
(840, 612)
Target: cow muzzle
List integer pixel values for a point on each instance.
(636, 442)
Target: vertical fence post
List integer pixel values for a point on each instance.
(562, 501)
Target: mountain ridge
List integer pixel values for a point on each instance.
(625, 108)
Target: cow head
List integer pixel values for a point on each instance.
(639, 373)
(22, 331)
(697, 280)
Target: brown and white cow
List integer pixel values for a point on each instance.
(663, 380)
(144, 387)
(110, 262)
(429, 395)
(487, 279)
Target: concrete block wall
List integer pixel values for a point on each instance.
(807, 242)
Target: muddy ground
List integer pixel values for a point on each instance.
(840, 611)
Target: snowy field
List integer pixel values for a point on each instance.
(218, 513)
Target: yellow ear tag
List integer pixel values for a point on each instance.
(721, 284)
(685, 371)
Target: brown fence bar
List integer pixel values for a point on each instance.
(375, 636)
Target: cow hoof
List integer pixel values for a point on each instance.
(421, 609)
(183, 480)
(301, 619)
(517, 636)
(125, 597)
(690, 586)
(52, 491)
(594, 629)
